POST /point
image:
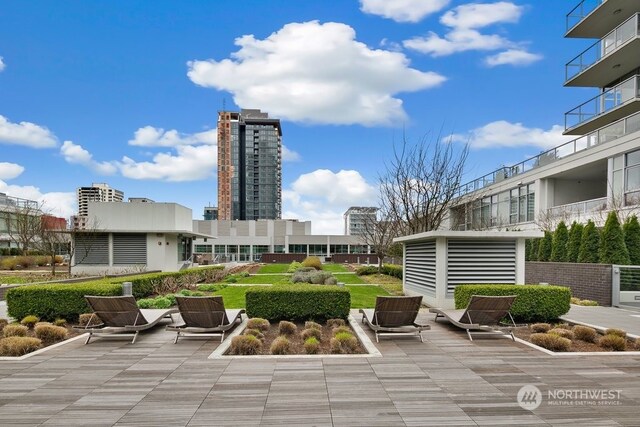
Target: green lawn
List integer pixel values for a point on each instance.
(273, 268)
(335, 268)
(350, 279)
(361, 296)
(271, 279)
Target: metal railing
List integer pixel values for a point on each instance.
(579, 208)
(578, 13)
(620, 94)
(603, 135)
(609, 44)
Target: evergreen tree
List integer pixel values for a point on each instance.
(631, 230)
(533, 254)
(573, 246)
(559, 243)
(527, 250)
(589, 244)
(612, 247)
(544, 250)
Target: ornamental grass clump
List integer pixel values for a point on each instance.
(561, 332)
(312, 261)
(540, 327)
(3, 323)
(334, 323)
(311, 345)
(49, 333)
(312, 325)
(60, 322)
(258, 323)
(613, 342)
(585, 333)
(341, 329)
(255, 332)
(551, 342)
(245, 345)
(18, 346)
(344, 343)
(88, 319)
(617, 332)
(29, 321)
(15, 330)
(562, 326)
(311, 333)
(287, 328)
(280, 345)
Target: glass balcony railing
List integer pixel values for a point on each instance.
(620, 94)
(610, 43)
(578, 13)
(603, 135)
(579, 208)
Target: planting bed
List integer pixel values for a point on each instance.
(28, 340)
(577, 345)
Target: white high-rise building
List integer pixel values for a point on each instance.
(98, 192)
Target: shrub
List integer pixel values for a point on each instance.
(158, 302)
(540, 327)
(280, 345)
(551, 342)
(334, 323)
(60, 322)
(613, 342)
(298, 302)
(575, 300)
(589, 244)
(49, 333)
(612, 247)
(25, 261)
(392, 270)
(41, 261)
(231, 279)
(18, 346)
(534, 303)
(311, 333)
(312, 325)
(88, 319)
(561, 332)
(617, 332)
(294, 266)
(244, 274)
(309, 275)
(255, 332)
(14, 330)
(573, 246)
(29, 321)
(367, 270)
(287, 328)
(55, 300)
(545, 247)
(588, 302)
(344, 343)
(331, 281)
(312, 261)
(9, 264)
(311, 345)
(559, 243)
(585, 333)
(535, 245)
(3, 323)
(341, 329)
(245, 345)
(189, 293)
(211, 288)
(258, 323)
(631, 229)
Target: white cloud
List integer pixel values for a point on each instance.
(55, 203)
(150, 136)
(403, 10)
(2, 64)
(315, 73)
(516, 57)
(76, 154)
(10, 170)
(289, 155)
(191, 163)
(26, 133)
(463, 35)
(505, 134)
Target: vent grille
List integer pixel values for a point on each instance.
(129, 249)
(420, 268)
(92, 249)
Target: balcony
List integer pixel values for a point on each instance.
(595, 18)
(616, 103)
(617, 54)
(579, 209)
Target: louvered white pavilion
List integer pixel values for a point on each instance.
(436, 262)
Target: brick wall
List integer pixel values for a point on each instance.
(587, 281)
(355, 258)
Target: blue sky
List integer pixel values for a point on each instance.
(127, 93)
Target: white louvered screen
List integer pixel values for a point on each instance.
(420, 268)
(485, 261)
(91, 249)
(129, 249)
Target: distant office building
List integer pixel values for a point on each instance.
(99, 192)
(249, 166)
(356, 219)
(8, 207)
(140, 200)
(210, 213)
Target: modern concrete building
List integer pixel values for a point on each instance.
(249, 166)
(134, 237)
(248, 240)
(356, 219)
(210, 212)
(8, 207)
(600, 169)
(98, 192)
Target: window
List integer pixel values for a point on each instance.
(203, 249)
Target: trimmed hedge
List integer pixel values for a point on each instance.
(56, 300)
(535, 303)
(298, 302)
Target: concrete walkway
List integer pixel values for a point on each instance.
(447, 380)
(605, 317)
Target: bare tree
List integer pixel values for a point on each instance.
(23, 224)
(420, 183)
(82, 242)
(52, 239)
(378, 233)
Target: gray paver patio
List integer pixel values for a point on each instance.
(447, 380)
(606, 317)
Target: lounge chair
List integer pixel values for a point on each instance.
(205, 317)
(120, 315)
(395, 316)
(482, 315)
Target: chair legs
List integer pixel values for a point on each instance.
(88, 338)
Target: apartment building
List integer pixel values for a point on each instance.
(597, 171)
(98, 192)
(356, 219)
(249, 166)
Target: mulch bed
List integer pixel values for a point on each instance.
(70, 334)
(524, 333)
(297, 344)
